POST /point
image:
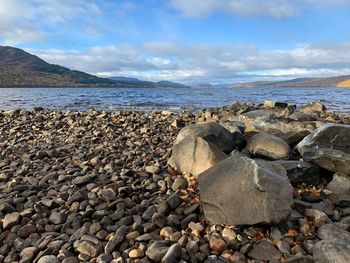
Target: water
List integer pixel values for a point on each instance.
(337, 99)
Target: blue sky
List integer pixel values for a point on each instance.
(184, 40)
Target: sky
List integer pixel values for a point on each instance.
(215, 41)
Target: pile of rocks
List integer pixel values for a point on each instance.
(97, 186)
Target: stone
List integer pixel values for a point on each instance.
(10, 220)
(194, 155)
(136, 253)
(328, 147)
(274, 104)
(217, 244)
(173, 254)
(301, 116)
(313, 107)
(332, 251)
(340, 184)
(332, 231)
(157, 250)
(26, 230)
(108, 194)
(211, 132)
(319, 217)
(300, 259)
(266, 145)
(152, 169)
(57, 218)
(91, 250)
(229, 233)
(240, 191)
(48, 259)
(300, 172)
(265, 250)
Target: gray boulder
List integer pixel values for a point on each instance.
(334, 246)
(194, 155)
(212, 132)
(239, 191)
(263, 144)
(300, 172)
(328, 147)
(340, 184)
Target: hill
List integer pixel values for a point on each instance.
(19, 68)
(340, 81)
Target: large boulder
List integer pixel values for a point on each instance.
(264, 144)
(239, 191)
(340, 184)
(328, 147)
(194, 155)
(212, 132)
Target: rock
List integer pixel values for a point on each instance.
(194, 155)
(157, 250)
(332, 251)
(328, 147)
(229, 233)
(313, 107)
(270, 104)
(108, 194)
(57, 218)
(174, 201)
(319, 217)
(10, 220)
(265, 250)
(26, 230)
(136, 253)
(86, 248)
(173, 254)
(300, 259)
(301, 116)
(217, 244)
(152, 169)
(48, 259)
(240, 191)
(300, 172)
(263, 144)
(340, 184)
(332, 231)
(211, 132)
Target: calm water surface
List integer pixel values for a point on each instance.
(337, 99)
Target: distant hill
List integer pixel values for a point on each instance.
(341, 81)
(19, 68)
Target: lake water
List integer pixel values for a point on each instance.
(337, 99)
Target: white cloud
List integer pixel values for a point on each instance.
(155, 61)
(198, 8)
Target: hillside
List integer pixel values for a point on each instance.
(19, 68)
(341, 81)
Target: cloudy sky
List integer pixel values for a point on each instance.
(184, 40)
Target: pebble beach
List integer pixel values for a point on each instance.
(100, 186)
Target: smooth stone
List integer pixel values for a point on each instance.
(173, 254)
(340, 184)
(48, 259)
(10, 220)
(265, 250)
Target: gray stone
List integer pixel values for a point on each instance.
(48, 259)
(194, 155)
(265, 250)
(173, 254)
(328, 147)
(240, 191)
(332, 231)
(211, 132)
(57, 218)
(340, 184)
(157, 250)
(332, 251)
(263, 144)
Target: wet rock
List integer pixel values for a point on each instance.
(328, 147)
(241, 191)
(194, 155)
(266, 145)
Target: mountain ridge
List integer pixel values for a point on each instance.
(339, 81)
(19, 68)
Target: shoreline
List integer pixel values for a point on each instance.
(96, 186)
